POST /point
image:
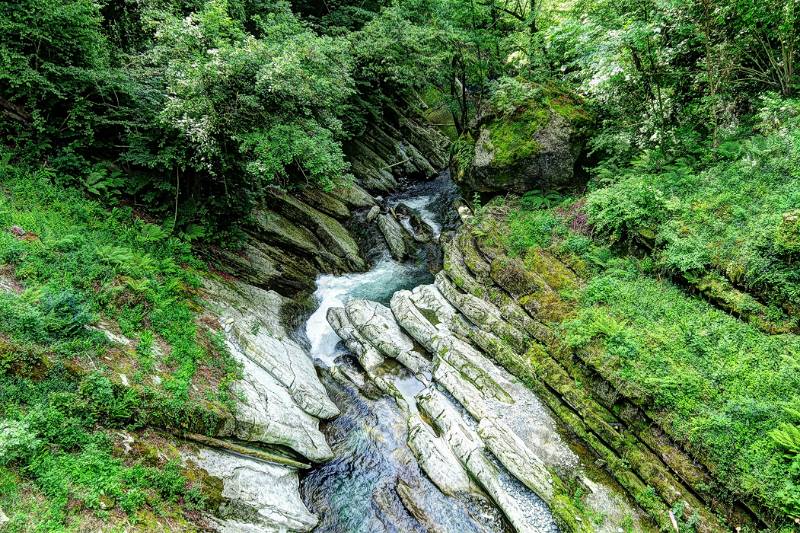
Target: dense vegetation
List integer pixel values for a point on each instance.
(132, 129)
(81, 267)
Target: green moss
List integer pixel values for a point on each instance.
(513, 138)
(787, 235)
(430, 316)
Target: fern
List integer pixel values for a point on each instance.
(787, 436)
(540, 199)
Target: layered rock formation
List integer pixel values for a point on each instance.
(400, 146)
(607, 416)
(279, 403)
(294, 237)
(474, 427)
(280, 400)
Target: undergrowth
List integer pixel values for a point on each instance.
(723, 388)
(72, 268)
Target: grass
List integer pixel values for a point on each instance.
(736, 214)
(720, 386)
(72, 265)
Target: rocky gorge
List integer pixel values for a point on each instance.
(425, 392)
(401, 369)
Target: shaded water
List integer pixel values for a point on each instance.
(374, 483)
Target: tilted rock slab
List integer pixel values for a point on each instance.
(279, 394)
(376, 323)
(258, 496)
(395, 236)
(521, 511)
(436, 458)
(253, 317)
(367, 355)
(267, 413)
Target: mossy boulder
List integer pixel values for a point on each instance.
(787, 235)
(531, 139)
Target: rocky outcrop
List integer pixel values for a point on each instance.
(252, 318)
(437, 459)
(258, 496)
(367, 355)
(280, 396)
(380, 329)
(535, 145)
(420, 230)
(489, 427)
(396, 237)
(279, 403)
(605, 416)
(330, 232)
(292, 238)
(399, 146)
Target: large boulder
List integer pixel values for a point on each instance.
(533, 143)
(258, 496)
(396, 237)
(279, 398)
(253, 318)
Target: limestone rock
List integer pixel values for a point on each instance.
(367, 355)
(524, 513)
(370, 169)
(271, 227)
(420, 230)
(267, 413)
(436, 458)
(258, 496)
(480, 312)
(413, 321)
(534, 147)
(252, 317)
(373, 213)
(335, 238)
(377, 325)
(517, 457)
(395, 236)
(325, 202)
(265, 266)
(354, 196)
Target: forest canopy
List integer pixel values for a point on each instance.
(196, 109)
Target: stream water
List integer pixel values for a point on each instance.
(374, 483)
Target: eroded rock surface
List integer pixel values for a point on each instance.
(395, 236)
(258, 496)
(489, 426)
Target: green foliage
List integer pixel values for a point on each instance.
(78, 263)
(722, 388)
(532, 229)
(540, 199)
(197, 109)
(675, 351)
(623, 211)
(49, 434)
(735, 215)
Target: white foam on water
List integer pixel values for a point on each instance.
(378, 284)
(420, 205)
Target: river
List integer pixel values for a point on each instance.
(375, 484)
